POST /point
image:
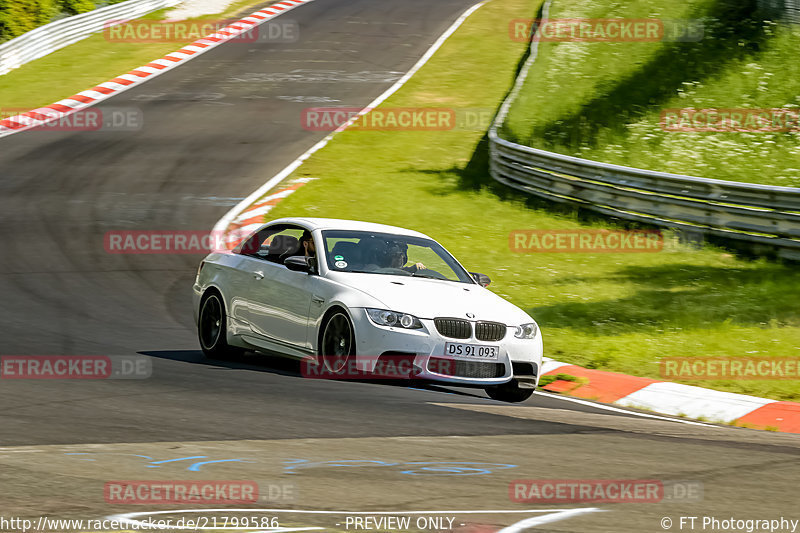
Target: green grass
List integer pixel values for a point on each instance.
(85, 64)
(603, 101)
(619, 312)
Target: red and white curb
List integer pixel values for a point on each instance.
(87, 98)
(252, 218)
(674, 398)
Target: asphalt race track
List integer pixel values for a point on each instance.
(213, 131)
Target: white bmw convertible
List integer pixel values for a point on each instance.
(332, 292)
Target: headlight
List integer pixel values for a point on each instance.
(382, 317)
(526, 331)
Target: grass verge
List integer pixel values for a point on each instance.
(603, 101)
(620, 312)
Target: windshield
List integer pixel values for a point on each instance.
(389, 254)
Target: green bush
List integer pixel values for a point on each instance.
(20, 16)
(76, 7)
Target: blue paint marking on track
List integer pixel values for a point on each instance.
(157, 464)
(422, 468)
(196, 466)
(455, 468)
(193, 467)
(291, 466)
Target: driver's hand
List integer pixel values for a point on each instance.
(420, 266)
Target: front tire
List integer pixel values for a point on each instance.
(212, 330)
(337, 343)
(509, 392)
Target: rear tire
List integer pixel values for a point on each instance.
(212, 328)
(509, 392)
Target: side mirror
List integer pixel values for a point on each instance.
(301, 263)
(482, 279)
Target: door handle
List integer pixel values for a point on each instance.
(317, 300)
(258, 275)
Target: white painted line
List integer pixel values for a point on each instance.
(528, 523)
(550, 515)
(222, 225)
(618, 410)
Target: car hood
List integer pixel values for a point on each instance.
(429, 298)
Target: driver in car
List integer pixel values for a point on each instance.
(398, 257)
(307, 245)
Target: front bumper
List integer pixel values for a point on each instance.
(427, 348)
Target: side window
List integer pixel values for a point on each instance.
(274, 244)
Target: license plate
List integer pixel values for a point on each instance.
(473, 352)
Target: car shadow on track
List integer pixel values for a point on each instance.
(286, 366)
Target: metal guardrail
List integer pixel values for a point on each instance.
(788, 10)
(793, 10)
(46, 39)
(767, 217)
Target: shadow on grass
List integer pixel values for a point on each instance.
(734, 28)
(685, 296)
(475, 176)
